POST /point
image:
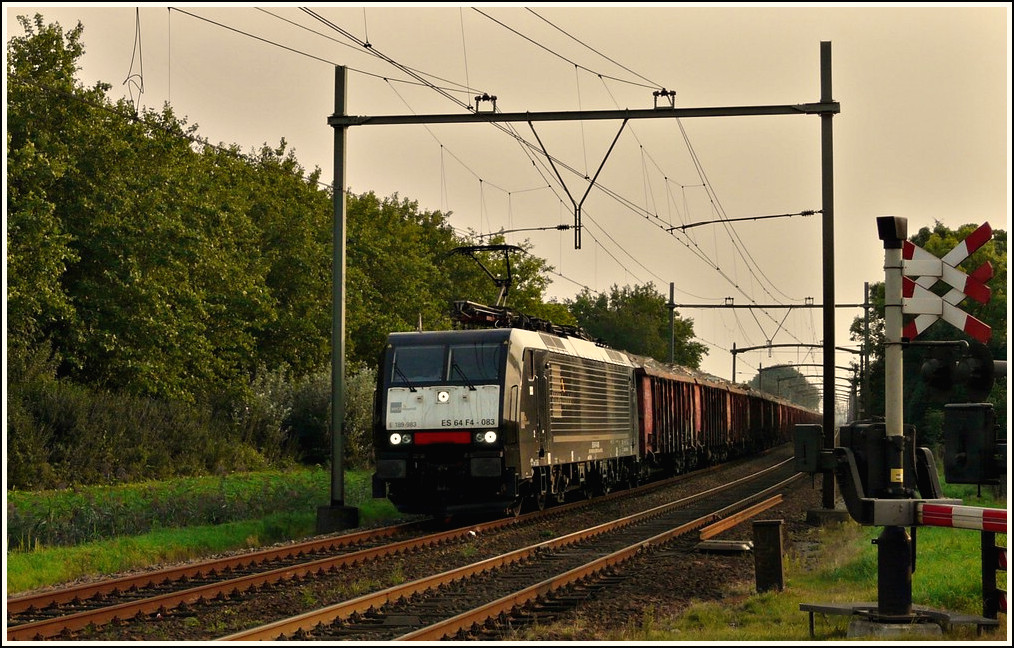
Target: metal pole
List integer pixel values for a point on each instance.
(337, 515)
(827, 220)
(338, 300)
(733, 362)
(672, 325)
(864, 359)
(893, 233)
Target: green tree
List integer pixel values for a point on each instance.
(293, 214)
(40, 68)
(146, 237)
(147, 266)
(394, 280)
(637, 320)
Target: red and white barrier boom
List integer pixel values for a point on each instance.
(962, 517)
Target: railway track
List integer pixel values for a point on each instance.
(121, 606)
(455, 603)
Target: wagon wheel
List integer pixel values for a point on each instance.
(540, 501)
(605, 481)
(633, 478)
(514, 509)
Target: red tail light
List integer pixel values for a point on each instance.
(424, 438)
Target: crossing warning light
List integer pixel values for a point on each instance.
(976, 371)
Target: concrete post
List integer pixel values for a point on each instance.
(767, 555)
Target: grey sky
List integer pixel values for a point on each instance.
(923, 130)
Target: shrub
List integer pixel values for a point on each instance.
(82, 514)
(309, 421)
(61, 434)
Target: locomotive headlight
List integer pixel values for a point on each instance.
(488, 436)
(443, 397)
(395, 439)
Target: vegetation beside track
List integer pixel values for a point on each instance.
(833, 564)
(60, 536)
(947, 576)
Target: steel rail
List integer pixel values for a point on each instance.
(52, 627)
(479, 615)
(18, 604)
(58, 624)
(305, 622)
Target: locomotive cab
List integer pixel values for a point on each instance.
(439, 425)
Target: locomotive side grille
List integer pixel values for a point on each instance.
(587, 396)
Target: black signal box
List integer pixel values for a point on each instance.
(809, 440)
(972, 452)
(869, 444)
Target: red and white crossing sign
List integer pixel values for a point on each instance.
(927, 270)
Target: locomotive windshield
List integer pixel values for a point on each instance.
(415, 364)
(468, 363)
(475, 362)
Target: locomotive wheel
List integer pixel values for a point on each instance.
(606, 482)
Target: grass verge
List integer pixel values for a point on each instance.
(35, 566)
(838, 564)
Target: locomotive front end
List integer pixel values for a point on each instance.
(439, 431)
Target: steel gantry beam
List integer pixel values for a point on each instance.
(764, 306)
(736, 351)
(341, 122)
(662, 112)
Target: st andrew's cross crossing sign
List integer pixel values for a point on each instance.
(927, 270)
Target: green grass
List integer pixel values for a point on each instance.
(947, 578)
(34, 564)
(73, 516)
(843, 569)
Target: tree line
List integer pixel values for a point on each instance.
(169, 300)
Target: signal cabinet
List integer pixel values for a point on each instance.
(869, 444)
(972, 452)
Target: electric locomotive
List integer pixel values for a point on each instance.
(483, 420)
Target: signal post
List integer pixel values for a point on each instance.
(894, 546)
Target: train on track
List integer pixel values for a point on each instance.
(496, 419)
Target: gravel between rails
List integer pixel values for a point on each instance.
(670, 581)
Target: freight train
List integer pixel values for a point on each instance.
(491, 420)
